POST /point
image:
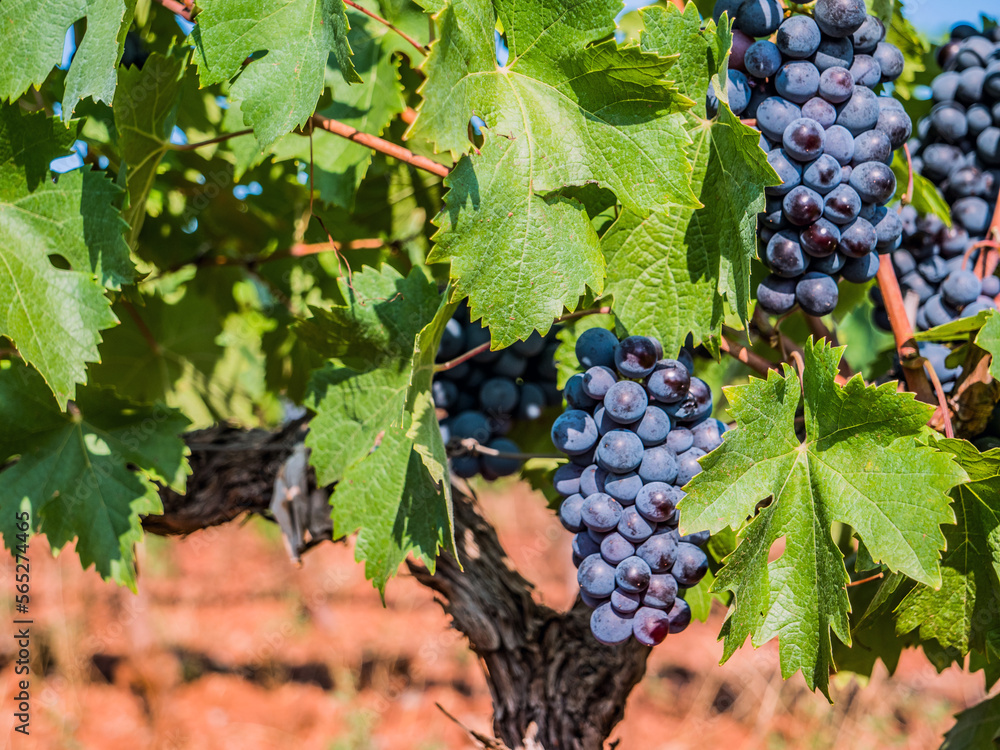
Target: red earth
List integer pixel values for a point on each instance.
(229, 645)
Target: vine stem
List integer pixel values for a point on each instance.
(379, 144)
(908, 195)
(583, 314)
(210, 141)
(462, 358)
(420, 48)
(177, 7)
(949, 431)
(902, 331)
(866, 580)
(147, 334)
(473, 446)
(750, 358)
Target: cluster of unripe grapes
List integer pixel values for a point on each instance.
(634, 428)
(957, 149)
(481, 399)
(828, 135)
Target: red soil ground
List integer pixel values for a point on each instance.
(228, 645)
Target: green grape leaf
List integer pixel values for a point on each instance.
(145, 108)
(882, 9)
(31, 45)
(276, 91)
(859, 465)
(74, 470)
(54, 315)
(988, 338)
(686, 259)
(339, 165)
(927, 199)
(956, 330)
(581, 108)
(372, 430)
(519, 257)
(976, 728)
(962, 611)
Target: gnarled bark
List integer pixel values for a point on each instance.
(553, 685)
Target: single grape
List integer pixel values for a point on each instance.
(690, 564)
(860, 112)
(860, 270)
(803, 206)
(698, 538)
(822, 175)
(626, 401)
(970, 85)
(687, 465)
(833, 53)
(632, 574)
(574, 432)
(973, 213)
(624, 602)
(797, 81)
(609, 627)
(592, 480)
(866, 71)
(774, 115)
(696, 405)
(584, 546)
(471, 424)
(829, 265)
(623, 487)
(729, 7)
(659, 551)
(867, 37)
(961, 288)
(821, 111)
(679, 616)
(872, 145)
(576, 397)
(776, 296)
(839, 143)
(738, 91)
(510, 365)
(789, 171)
(499, 395)
(532, 401)
(762, 59)
(842, 205)
(465, 466)
(657, 500)
(857, 238)
(784, 255)
(620, 451)
(803, 139)
(635, 356)
(798, 37)
(654, 427)
(817, 293)
(708, 435)
(661, 591)
(669, 382)
(650, 626)
(597, 381)
(600, 512)
(634, 527)
(452, 341)
(596, 577)
(615, 548)
(659, 464)
(840, 18)
(888, 228)
(680, 438)
(596, 348)
(820, 238)
(758, 18)
(567, 479)
(569, 513)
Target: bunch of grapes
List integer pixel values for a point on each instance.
(481, 399)
(635, 426)
(957, 148)
(828, 135)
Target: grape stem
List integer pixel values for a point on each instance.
(379, 144)
(869, 579)
(908, 195)
(949, 431)
(177, 7)
(748, 357)
(902, 330)
(462, 358)
(473, 446)
(210, 141)
(584, 313)
(420, 48)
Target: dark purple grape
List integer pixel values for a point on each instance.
(574, 432)
(659, 464)
(774, 115)
(680, 438)
(624, 602)
(803, 139)
(866, 71)
(798, 37)
(866, 38)
(820, 239)
(821, 111)
(784, 254)
(657, 500)
(829, 265)
(937, 312)
(650, 626)
(609, 627)
(840, 18)
(776, 296)
(758, 18)
(596, 348)
(842, 205)
(576, 398)
(687, 465)
(803, 206)
(789, 171)
(597, 381)
(860, 112)
(615, 548)
(592, 480)
(834, 53)
(874, 181)
(797, 81)
(817, 294)
(634, 527)
(499, 395)
(762, 59)
(696, 405)
(698, 538)
(949, 122)
(623, 487)
(970, 85)
(961, 288)
(605, 423)
(619, 451)
(669, 382)
(861, 270)
(661, 591)
(888, 228)
(654, 427)
(738, 90)
(632, 574)
(679, 616)
(567, 479)
(973, 213)
(625, 401)
(839, 143)
(872, 145)
(857, 239)
(635, 356)
(659, 551)
(569, 513)
(601, 512)
(690, 564)
(596, 577)
(708, 435)
(584, 546)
